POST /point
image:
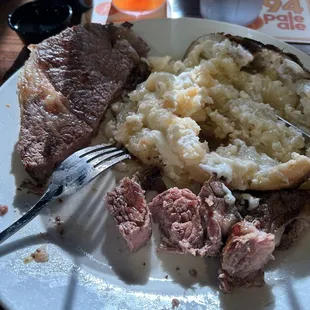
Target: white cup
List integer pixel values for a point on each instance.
(241, 12)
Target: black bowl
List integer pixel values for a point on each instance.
(37, 20)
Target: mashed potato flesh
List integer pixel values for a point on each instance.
(208, 93)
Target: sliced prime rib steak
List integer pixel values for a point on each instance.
(176, 211)
(150, 178)
(240, 228)
(90, 66)
(218, 214)
(286, 213)
(130, 211)
(271, 219)
(66, 86)
(246, 252)
(49, 132)
(196, 225)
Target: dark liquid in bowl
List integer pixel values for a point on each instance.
(26, 24)
(39, 21)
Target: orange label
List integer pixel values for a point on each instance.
(288, 20)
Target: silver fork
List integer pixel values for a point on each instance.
(72, 174)
(304, 134)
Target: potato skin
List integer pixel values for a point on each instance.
(251, 45)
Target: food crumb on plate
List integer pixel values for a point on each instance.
(40, 255)
(8, 106)
(3, 210)
(59, 224)
(193, 273)
(28, 259)
(175, 303)
(60, 200)
(43, 235)
(31, 188)
(166, 276)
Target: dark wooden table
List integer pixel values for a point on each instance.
(10, 44)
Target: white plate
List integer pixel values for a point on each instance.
(91, 268)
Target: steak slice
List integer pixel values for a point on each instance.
(246, 252)
(218, 214)
(176, 212)
(66, 86)
(49, 132)
(130, 211)
(125, 33)
(90, 66)
(195, 225)
(150, 178)
(284, 213)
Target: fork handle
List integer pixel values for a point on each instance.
(51, 193)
